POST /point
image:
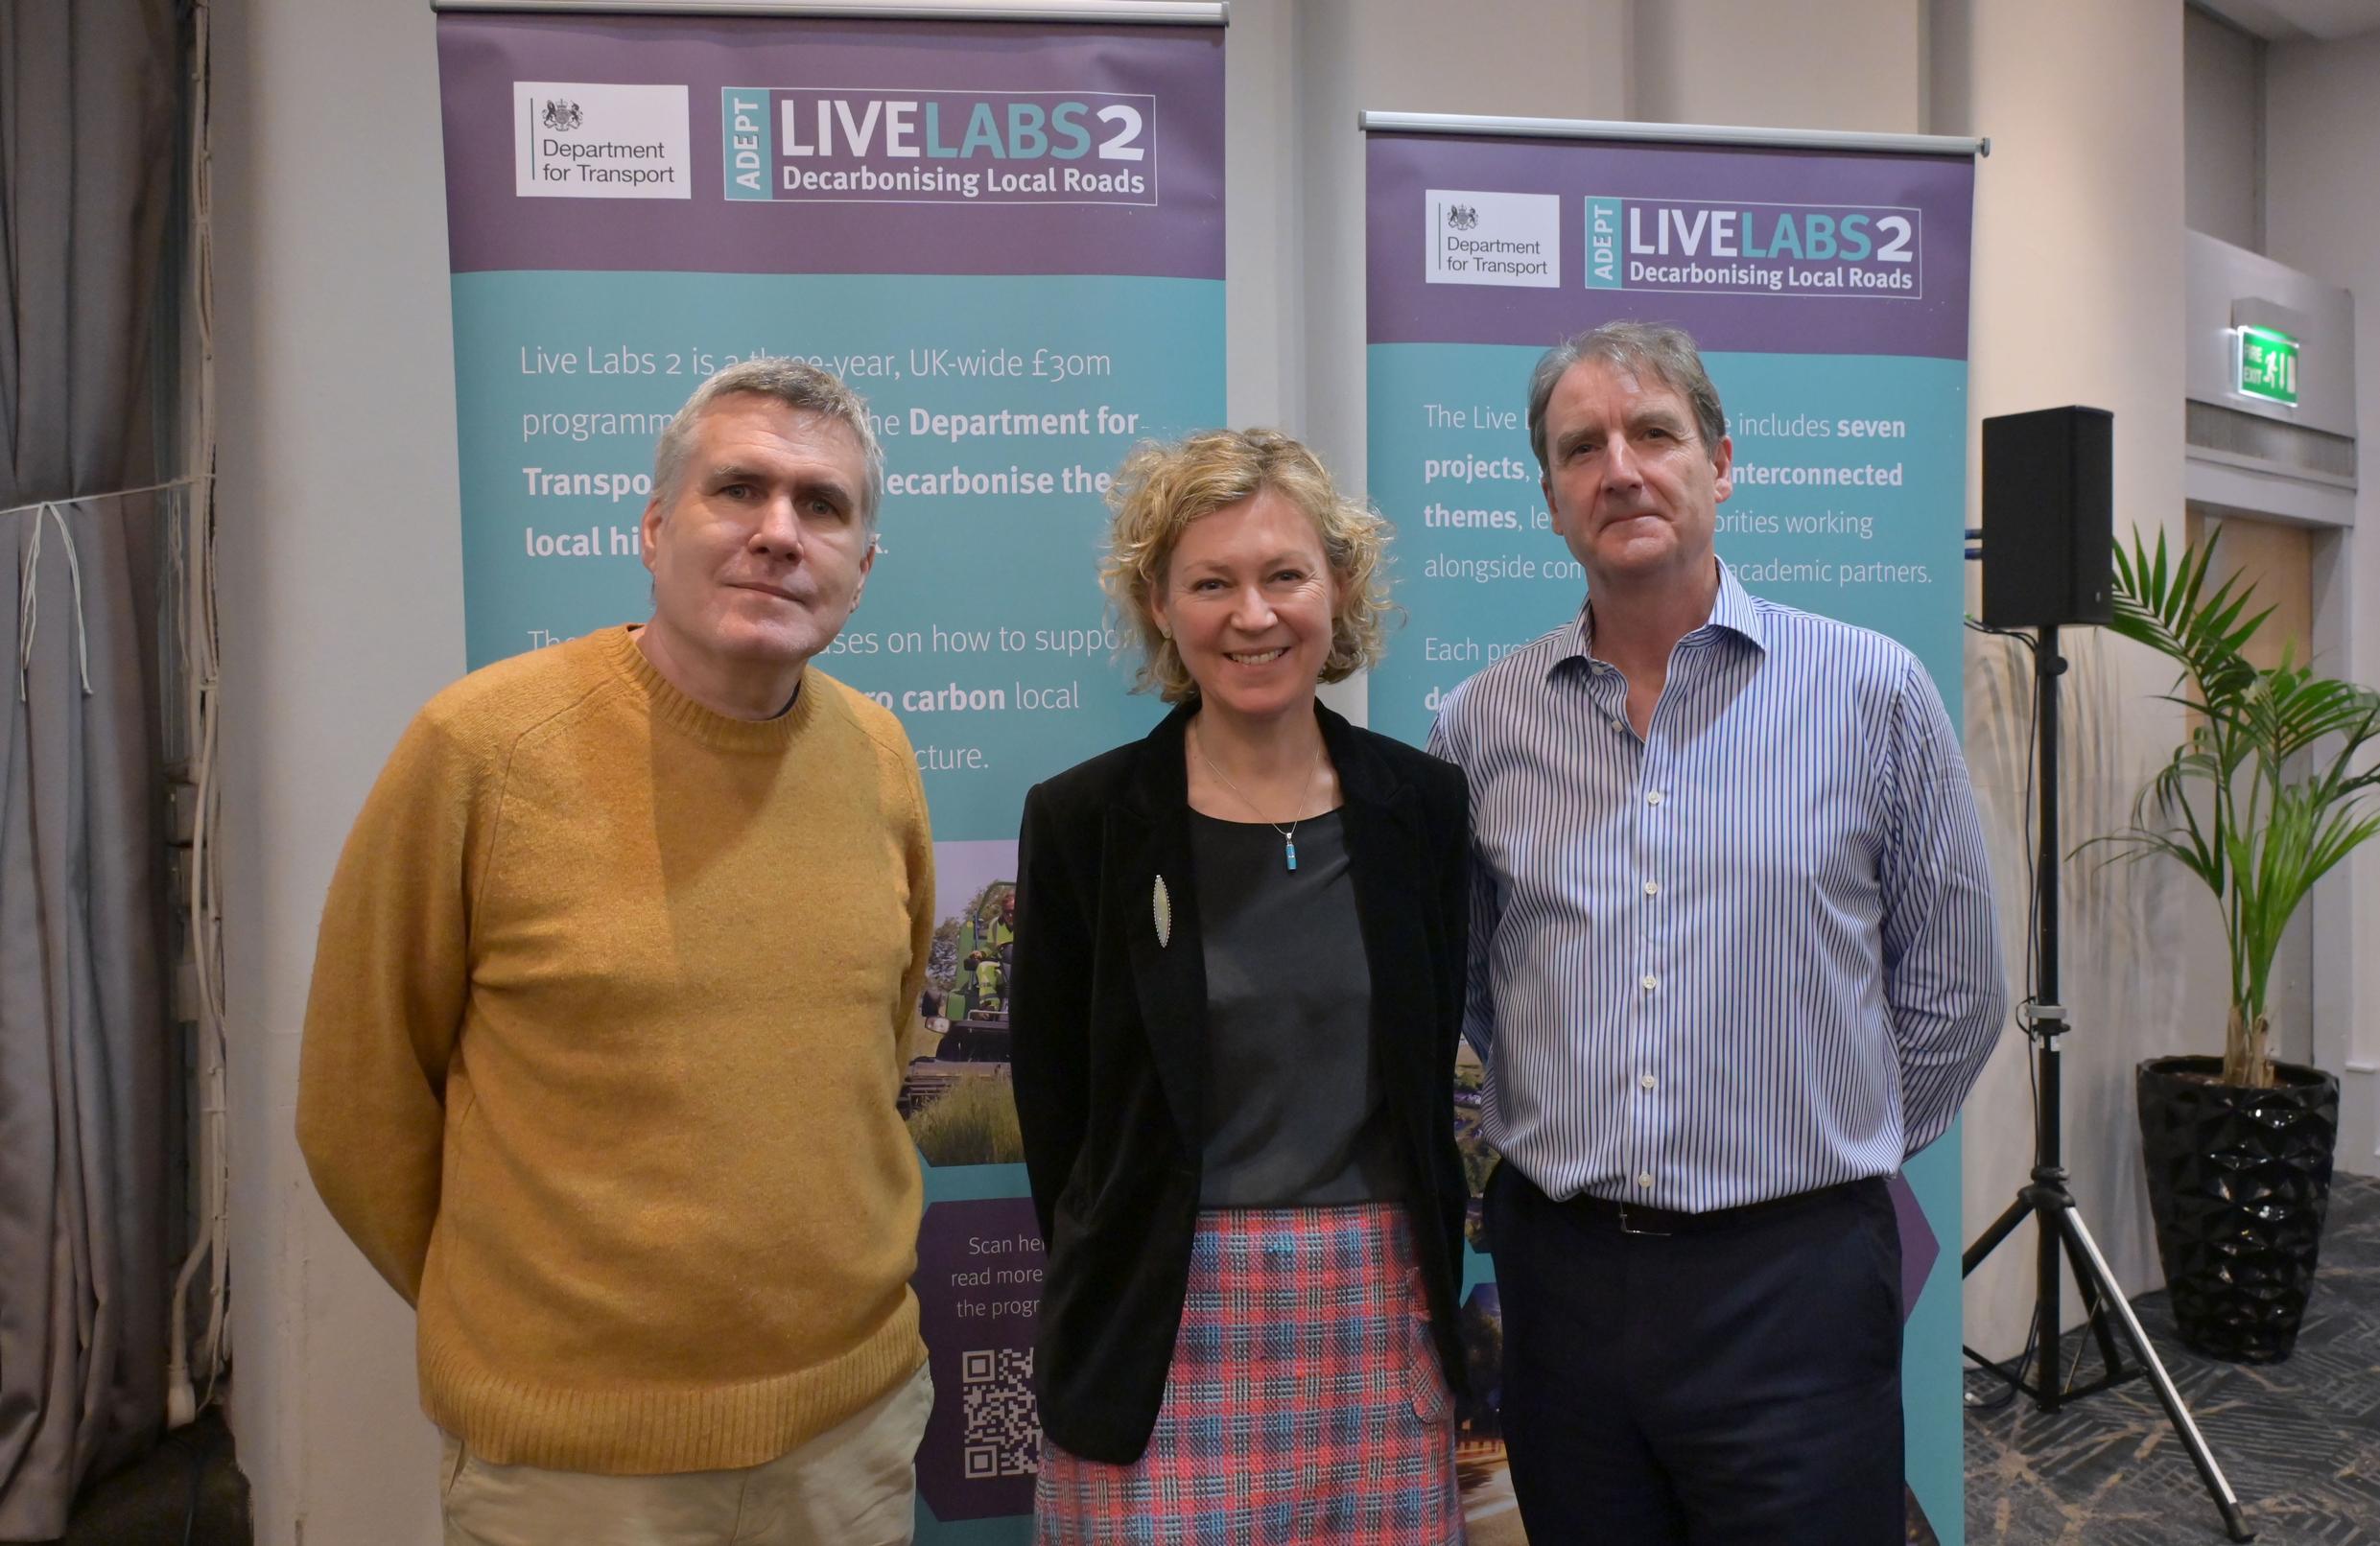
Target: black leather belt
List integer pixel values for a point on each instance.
(1635, 1218)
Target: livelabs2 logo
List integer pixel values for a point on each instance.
(1481, 238)
(840, 144)
(1744, 246)
(598, 140)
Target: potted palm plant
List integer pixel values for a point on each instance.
(2266, 794)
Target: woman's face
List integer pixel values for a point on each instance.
(1250, 599)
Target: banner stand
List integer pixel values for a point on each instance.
(1825, 278)
(1004, 226)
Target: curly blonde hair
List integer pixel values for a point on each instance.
(1160, 489)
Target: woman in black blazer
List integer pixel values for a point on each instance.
(1238, 982)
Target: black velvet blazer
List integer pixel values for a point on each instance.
(1109, 1052)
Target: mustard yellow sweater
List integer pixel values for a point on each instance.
(609, 1012)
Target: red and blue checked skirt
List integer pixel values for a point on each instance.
(1305, 1402)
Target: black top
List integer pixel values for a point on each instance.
(1110, 1022)
(1294, 1116)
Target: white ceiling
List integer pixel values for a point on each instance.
(2297, 21)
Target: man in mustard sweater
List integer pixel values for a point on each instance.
(609, 1013)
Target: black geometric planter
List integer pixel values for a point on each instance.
(2239, 1181)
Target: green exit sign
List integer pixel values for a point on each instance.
(2269, 364)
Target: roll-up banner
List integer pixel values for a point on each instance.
(1008, 235)
(1825, 278)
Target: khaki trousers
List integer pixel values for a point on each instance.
(853, 1484)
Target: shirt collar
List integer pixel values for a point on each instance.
(1732, 610)
(1736, 611)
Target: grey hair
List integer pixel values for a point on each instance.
(803, 387)
(1668, 353)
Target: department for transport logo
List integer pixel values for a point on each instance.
(600, 140)
(1481, 238)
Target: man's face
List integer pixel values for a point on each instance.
(759, 555)
(1629, 482)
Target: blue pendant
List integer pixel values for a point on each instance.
(1288, 852)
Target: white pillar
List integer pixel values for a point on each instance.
(340, 600)
(2078, 300)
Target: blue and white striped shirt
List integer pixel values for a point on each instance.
(1748, 955)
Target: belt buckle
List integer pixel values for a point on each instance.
(1626, 1228)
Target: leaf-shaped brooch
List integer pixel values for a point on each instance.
(1160, 908)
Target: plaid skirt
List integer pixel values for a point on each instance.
(1305, 1402)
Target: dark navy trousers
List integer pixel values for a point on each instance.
(1737, 1385)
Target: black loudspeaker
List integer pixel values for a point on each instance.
(2049, 517)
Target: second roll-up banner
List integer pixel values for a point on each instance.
(1825, 278)
(1008, 235)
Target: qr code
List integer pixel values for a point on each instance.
(1002, 1431)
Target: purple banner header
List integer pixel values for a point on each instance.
(1497, 240)
(805, 145)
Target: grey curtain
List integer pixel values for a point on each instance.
(89, 93)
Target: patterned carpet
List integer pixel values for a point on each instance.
(2299, 1440)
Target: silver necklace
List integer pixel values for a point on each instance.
(1289, 833)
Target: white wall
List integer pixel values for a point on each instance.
(1849, 64)
(340, 553)
(2323, 140)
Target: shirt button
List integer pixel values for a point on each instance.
(1650, 981)
(1617, 725)
(1648, 1081)
(1653, 797)
(1645, 1178)
(1652, 888)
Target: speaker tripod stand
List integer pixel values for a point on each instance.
(2046, 1201)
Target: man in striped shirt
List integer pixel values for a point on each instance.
(1733, 961)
